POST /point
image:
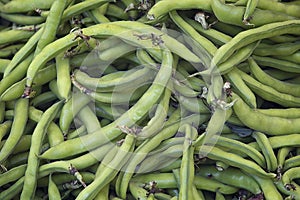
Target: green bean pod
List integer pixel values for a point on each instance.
(184, 89)
(281, 7)
(2, 113)
(241, 55)
(103, 194)
(17, 159)
(98, 14)
(162, 159)
(115, 52)
(55, 135)
(79, 8)
(170, 43)
(3, 64)
(10, 50)
(63, 179)
(167, 180)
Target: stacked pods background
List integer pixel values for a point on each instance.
(138, 99)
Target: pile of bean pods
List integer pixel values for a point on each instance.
(144, 99)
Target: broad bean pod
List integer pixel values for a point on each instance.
(249, 36)
(266, 149)
(36, 143)
(53, 190)
(54, 134)
(146, 147)
(236, 161)
(5, 128)
(110, 171)
(25, 6)
(282, 49)
(264, 78)
(187, 170)
(189, 30)
(281, 7)
(231, 176)
(14, 35)
(241, 88)
(282, 155)
(268, 187)
(136, 112)
(295, 57)
(15, 75)
(237, 146)
(17, 129)
(261, 122)
(12, 175)
(269, 93)
(162, 8)
(259, 17)
(284, 65)
(23, 52)
(89, 119)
